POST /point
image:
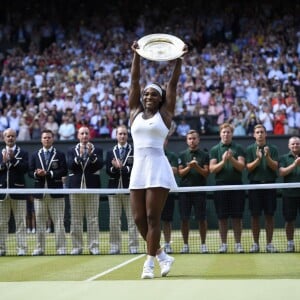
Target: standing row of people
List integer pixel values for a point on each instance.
(49, 168)
(227, 161)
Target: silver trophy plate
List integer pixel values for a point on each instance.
(160, 47)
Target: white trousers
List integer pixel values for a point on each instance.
(18, 208)
(116, 205)
(84, 205)
(55, 208)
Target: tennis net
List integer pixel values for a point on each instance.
(44, 236)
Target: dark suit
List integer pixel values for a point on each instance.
(12, 175)
(53, 203)
(84, 173)
(203, 125)
(119, 178)
(56, 169)
(114, 173)
(15, 172)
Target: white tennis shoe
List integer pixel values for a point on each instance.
(165, 265)
(148, 271)
(239, 248)
(290, 247)
(254, 248)
(185, 249)
(223, 248)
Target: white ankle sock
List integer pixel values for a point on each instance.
(150, 260)
(162, 255)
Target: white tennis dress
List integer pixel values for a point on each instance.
(151, 167)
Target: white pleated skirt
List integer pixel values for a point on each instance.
(151, 168)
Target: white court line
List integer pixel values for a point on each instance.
(115, 268)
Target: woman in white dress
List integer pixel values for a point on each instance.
(152, 176)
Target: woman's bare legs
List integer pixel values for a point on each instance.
(147, 206)
(138, 206)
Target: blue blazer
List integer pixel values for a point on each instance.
(56, 169)
(119, 178)
(12, 174)
(84, 173)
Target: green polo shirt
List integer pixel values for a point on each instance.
(173, 160)
(284, 161)
(262, 172)
(228, 172)
(193, 178)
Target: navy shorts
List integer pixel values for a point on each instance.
(290, 208)
(262, 201)
(30, 206)
(196, 200)
(229, 204)
(168, 210)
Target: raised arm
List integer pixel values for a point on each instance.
(135, 89)
(172, 84)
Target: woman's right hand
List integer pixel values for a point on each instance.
(185, 50)
(135, 46)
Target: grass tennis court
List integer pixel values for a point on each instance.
(128, 267)
(194, 276)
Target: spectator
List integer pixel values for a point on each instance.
(289, 165)
(278, 103)
(58, 101)
(251, 122)
(293, 119)
(47, 167)
(14, 117)
(120, 104)
(228, 93)
(66, 130)
(185, 112)
(52, 125)
(3, 123)
(227, 162)
(190, 97)
(204, 96)
(262, 164)
(118, 167)
(103, 130)
(93, 107)
(24, 129)
(266, 118)
(183, 127)
(13, 167)
(279, 122)
(238, 123)
(203, 123)
(212, 106)
(252, 93)
(224, 111)
(193, 170)
(82, 116)
(69, 102)
(84, 163)
(44, 103)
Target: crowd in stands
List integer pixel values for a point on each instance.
(243, 67)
